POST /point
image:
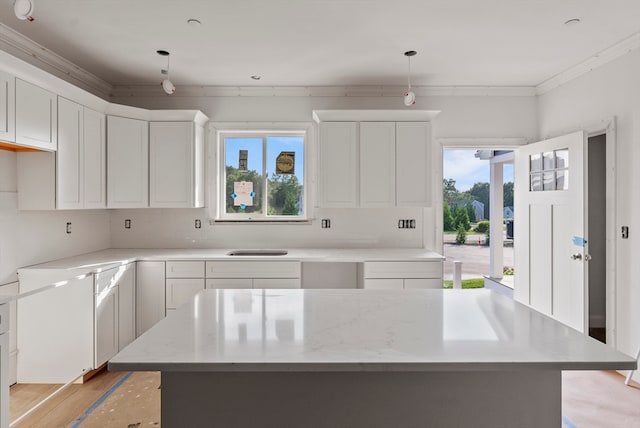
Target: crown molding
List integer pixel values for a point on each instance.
(37, 55)
(150, 91)
(598, 60)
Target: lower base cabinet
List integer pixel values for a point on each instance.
(402, 275)
(150, 295)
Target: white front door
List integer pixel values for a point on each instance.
(550, 235)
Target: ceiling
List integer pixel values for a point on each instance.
(327, 42)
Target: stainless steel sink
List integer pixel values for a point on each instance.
(258, 253)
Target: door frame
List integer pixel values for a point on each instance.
(606, 126)
(499, 143)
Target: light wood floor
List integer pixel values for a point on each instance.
(590, 399)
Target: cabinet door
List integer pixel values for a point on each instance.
(377, 164)
(384, 284)
(413, 164)
(172, 165)
(69, 164)
(431, 283)
(338, 164)
(127, 306)
(180, 291)
(106, 328)
(276, 283)
(127, 163)
(7, 107)
(36, 117)
(94, 159)
(150, 295)
(223, 283)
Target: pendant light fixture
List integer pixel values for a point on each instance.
(166, 84)
(409, 96)
(23, 10)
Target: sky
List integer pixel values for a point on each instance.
(462, 166)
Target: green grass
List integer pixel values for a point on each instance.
(466, 283)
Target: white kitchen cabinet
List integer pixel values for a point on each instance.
(127, 163)
(377, 164)
(253, 274)
(338, 164)
(106, 325)
(7, 107)
(181, 290)
(403, 275)
(4, 365)
(94, 171)
(150, 294)
(127, 306)
(55, 328)
(69, 157)
(36, 117)
(392, 166)
(73, 177)
(413, 164)
(184, 279)
(176, 165)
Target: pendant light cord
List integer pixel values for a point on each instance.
(409, 73)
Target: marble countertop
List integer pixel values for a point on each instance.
(362, 330)
(106, 259)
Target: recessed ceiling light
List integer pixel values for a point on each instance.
(573, 21)
(193, 22)
(256, 77)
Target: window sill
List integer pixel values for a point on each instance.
(245, 221)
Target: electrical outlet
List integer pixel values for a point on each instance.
(326, 223)
(625, 232)
(198, 223)
(68, 227)
(127, 224)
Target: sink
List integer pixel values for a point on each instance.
(258, 253)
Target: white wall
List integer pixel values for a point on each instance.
(611, 90)
(29, 237)
(460, 117)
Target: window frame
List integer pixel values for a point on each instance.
(249, 131)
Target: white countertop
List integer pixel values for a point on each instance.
(105, 259)
(361, 330)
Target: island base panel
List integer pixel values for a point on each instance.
(526, 399)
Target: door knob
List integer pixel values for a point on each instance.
(576, 256)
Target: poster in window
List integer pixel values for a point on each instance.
(243, 158)
(285, 163)
(243, 193)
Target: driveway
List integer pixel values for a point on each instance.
(474, 258)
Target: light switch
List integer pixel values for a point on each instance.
(625, 232)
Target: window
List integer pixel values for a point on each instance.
(262, 175)
(549, 171)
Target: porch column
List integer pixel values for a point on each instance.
(496, 191)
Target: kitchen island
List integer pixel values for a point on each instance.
(362, 358)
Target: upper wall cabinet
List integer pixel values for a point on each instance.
(74, 176)
(127, 163)
(375, 164)
(7, 107)
(36, 117)
(338, 158)
(413, 164)
(176, 165)
(81, 157)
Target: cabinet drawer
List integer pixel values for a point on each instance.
(230, 283)
(403, 269)
(4, 318)
(415, 283)
(180, 291)
(276, 283)
(383, 284)
(185, 269)
(109, 278)
(253, 269)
